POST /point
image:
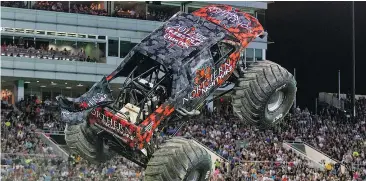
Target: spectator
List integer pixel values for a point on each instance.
(248, 153)
(3, 47)
(137, 12)
(92, 9)
(50, 6)
(25, 156)
(13, 4)
(44, 52)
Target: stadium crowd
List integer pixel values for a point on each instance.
(93, 9)
(26, 156)
(14, 4)
(132, 13)
(154, 13)
(264, 157)
(159, 15)
(44, 52)
(249, 153)
(50, 6)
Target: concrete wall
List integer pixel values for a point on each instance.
(76, 23)
(56, 149)
(317, 155)
(55, 69)
(313, 163)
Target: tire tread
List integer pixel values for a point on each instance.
(174, 160)
(254, 88)
(81, 139)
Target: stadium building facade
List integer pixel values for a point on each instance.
(52, 48)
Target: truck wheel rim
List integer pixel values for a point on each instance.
(275, 101)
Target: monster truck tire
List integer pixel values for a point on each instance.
(179, 159)
(264, 94)
(83, 139)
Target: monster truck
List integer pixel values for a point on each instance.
(169, 76)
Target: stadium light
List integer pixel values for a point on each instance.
(353, 62)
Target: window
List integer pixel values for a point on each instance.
(136, 60)
(112, 47)
(258, 54)
(126, 47)
(15, 4)
(247, 10)
(161, 12)
(192, 9)
(225, 49)
(92, 36)
(242, 54)
(59, 6)
(130, 9)
(249, 54)
(88, 7)
(220, 50)
(102, 57)
(215, 52)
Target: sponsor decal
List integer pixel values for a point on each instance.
(232, 18)
(94, 100)
(206, 79)
(208, 174)
(72, 117)
(278, 117)
(183, 36)
(99, 97)
(116, 126)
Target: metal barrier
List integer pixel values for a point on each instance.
(31, 167)
(332, 100)
(343, 166)
(302, 142)
(207, 148)
(39, 164)
(47, 131)
(287, 168)
(56, 148)
(33, 53)
(334, 160)
(312, 163)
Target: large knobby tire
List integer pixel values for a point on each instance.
(179, 159)
(265, 94)
(83, 140)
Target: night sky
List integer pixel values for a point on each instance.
(316, 39)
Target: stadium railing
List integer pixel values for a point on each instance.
(333, 161)
(22, 52)
(312, 163)
(332, 100)
(57, 149)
